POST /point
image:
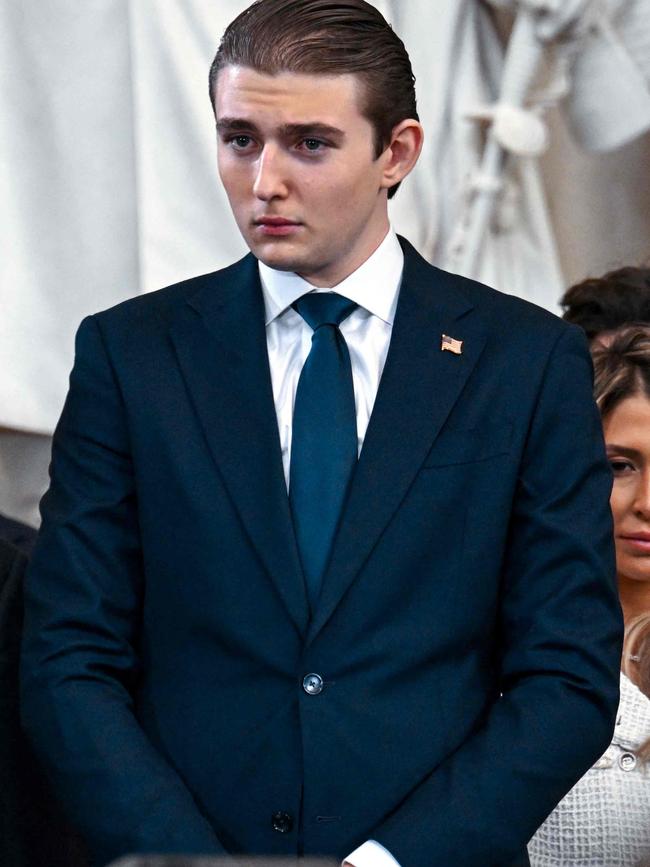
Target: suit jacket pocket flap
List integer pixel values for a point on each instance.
(469, 446)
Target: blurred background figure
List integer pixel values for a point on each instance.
(605, 818)
(600, 305)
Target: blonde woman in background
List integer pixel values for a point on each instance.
(604, 821)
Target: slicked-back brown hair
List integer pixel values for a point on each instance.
(622, 367)
(326, 37)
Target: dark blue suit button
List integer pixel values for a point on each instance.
(312, 684)
(282, 822)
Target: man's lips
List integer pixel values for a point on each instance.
(276, 225)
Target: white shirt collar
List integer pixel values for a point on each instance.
(373, 286)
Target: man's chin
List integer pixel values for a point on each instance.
(279, 264)
(274, 256)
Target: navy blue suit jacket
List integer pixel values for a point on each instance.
(468, 629)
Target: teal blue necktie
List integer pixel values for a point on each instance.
(324, 435)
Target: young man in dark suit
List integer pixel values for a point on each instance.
(322, 572)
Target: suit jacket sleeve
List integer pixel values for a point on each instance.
(560, 633)
(79, 659)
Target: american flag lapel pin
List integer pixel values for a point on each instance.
(450, 344)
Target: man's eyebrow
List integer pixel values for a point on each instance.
(288, 130)
(236, 124)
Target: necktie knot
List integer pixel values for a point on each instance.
(324, 308)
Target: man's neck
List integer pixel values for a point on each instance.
(341, 270)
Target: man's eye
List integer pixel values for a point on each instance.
(313, 144)
(240, 141)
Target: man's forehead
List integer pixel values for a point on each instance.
(322, 97)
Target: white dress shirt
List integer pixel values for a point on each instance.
(374, 286)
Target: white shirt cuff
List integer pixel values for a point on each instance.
(371, 854)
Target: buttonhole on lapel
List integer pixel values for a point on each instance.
(324, 819)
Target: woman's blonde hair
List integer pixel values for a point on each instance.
(621, 367)
(636, 662)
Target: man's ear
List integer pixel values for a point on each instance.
(402, 152)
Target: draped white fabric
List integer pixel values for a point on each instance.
(458, 66)
(609, 100)
(604, 46)
(67, 194)
(109, 185)
(185, 224)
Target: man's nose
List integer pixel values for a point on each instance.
(270, 180)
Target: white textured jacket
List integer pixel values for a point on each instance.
(604, 821)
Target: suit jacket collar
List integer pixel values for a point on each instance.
(220, 342)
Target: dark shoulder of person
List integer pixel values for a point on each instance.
(22, 536)
(33, 831)
(12, 568)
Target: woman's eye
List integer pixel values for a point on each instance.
(620, 466)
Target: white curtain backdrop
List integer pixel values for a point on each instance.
(67, 191)
(109, 186)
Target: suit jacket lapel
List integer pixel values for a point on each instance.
(419, 386)
(220, 343)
